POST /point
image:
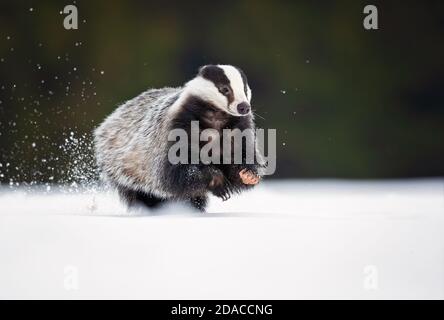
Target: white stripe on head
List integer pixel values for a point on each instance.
(206, 90)
(202, 88)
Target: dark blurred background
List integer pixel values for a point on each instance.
(346, 102)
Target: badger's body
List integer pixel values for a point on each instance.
(132, 143)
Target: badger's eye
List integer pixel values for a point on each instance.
(224, 90)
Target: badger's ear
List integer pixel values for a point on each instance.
(205, 68)
(200, 71)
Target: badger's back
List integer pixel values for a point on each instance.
(132, 142)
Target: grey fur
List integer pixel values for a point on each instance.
(128, 144)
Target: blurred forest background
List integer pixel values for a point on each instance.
(346, 102)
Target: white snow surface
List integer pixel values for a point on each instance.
(284, 240)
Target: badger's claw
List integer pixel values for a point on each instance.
(219, 185)
(222, 192)
(248, 177)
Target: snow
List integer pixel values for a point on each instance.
(283, 240)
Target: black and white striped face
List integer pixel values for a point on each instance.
(223, 86)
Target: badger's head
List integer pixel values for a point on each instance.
(224, 86)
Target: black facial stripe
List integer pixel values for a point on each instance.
(219, 78)
(215, 74)
(245, 81)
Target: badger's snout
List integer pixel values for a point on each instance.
(243, 108)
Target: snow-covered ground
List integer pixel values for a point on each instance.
(284, 240)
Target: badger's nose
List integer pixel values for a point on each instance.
(243, 108)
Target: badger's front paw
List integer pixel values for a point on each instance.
(249, 177)
(222, 192)
(218, 185)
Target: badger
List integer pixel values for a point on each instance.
(131, 145)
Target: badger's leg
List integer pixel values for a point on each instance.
(149, 200)
(127, 196)
(199, 203)
(194, 181)
(134, 198)
(220, 186)
(190, 180)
